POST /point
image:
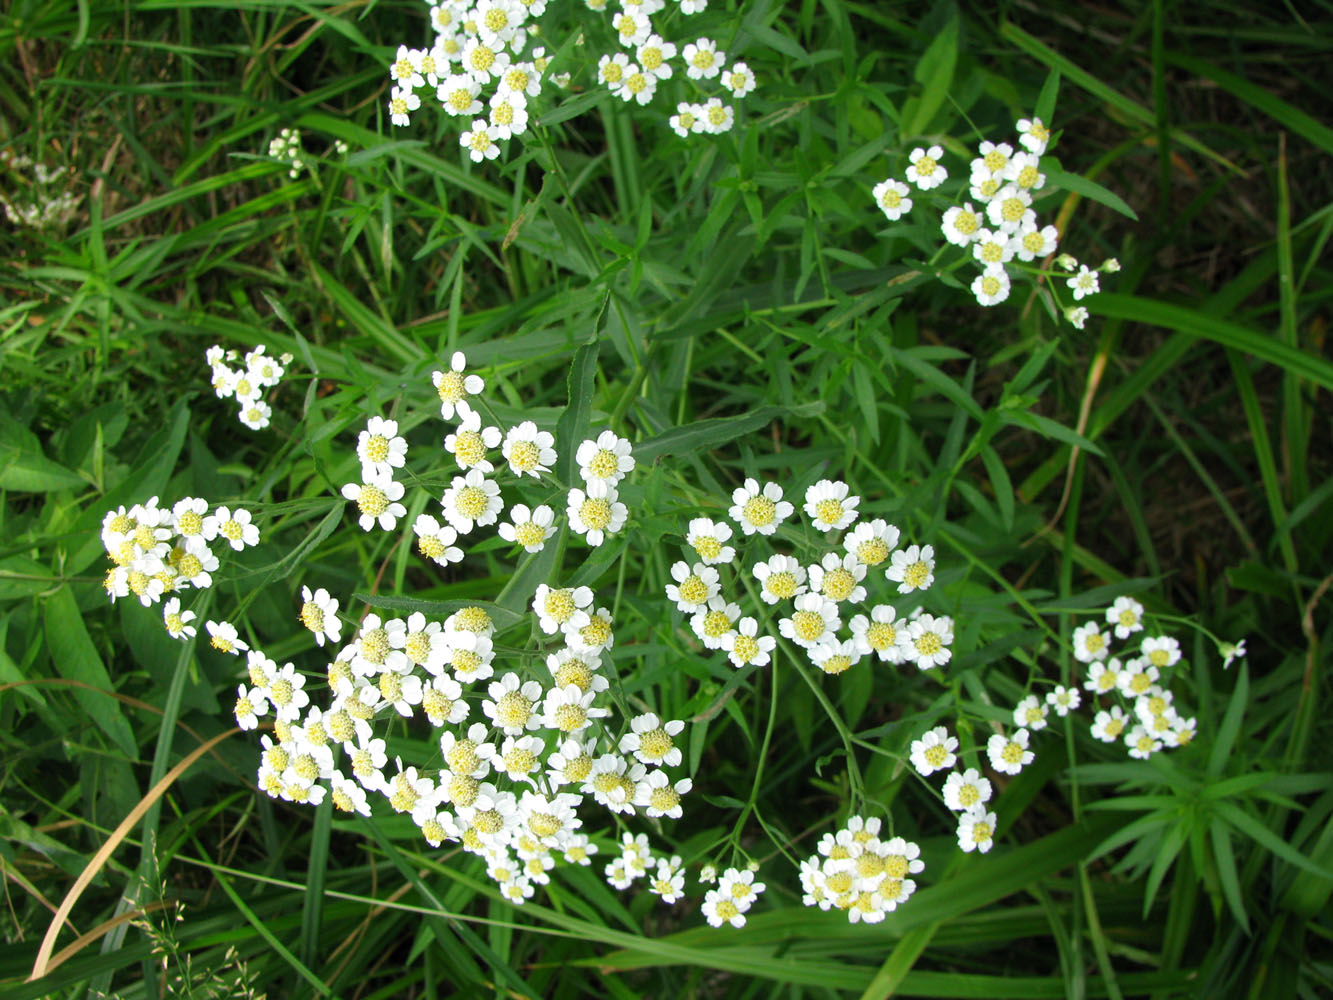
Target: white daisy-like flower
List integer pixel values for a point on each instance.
(570, 709)
(1033, 135)
(839, 578)
(520, 757)
(423, 643)
(925, 641)
(966, 791)
(892, 198)
(250, 705)
(713, 624)
(709, 540)
(377, 498)
(528, 528)
(1141, 743)
(471, 441)
(925, 171)
(759, 511)
(571, 763)
(1009, 754)
(1108, 726)
(1104, 676)
(481, 141)
(976, 830)
(435, 541)
(934, 751)
(454, 384)
(740, 79)
(829, 505)
(177, 621)
(702, 61)
(994, 157)
(1031, 713)
(1031, 242)
(961, 224)
(687, 120)
(193, 566)
(458, 95)
(1137, 678)
(991, 286)
(319, 614)
(835, 656)
(1126, 614)
(471, 501)
(1084, 283)
(483, 62)
(348, 796)
(652, 741)
(233, 525)
(529, 451)
(655, 55)
(498, 20)
(813, 619)
(781, 578)
(287, 694)
(694, 587)
(380, 448)
(912, 568)
(871, 542)
(878, 633)
(992, 248)
(612, 781)
(1063, 700)
(632, 28)
(512, 705)
(745, 646)
(607, 458)
(402, 102)
(222, 637)
(509, 114)
(668, 881)
(561, 609)
(189, 520)
(611, 69)
(596, 513)
(657, 796)
(1161, 651)
(1010, 209)
(403, 71)
(1077, 316)
(717, 117)
(1089, 643)
(1024, 170)
(469, 655)
(442, 701)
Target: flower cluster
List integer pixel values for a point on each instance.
(47, 208)
(859, 873)
(246, 385)
(160, 550)
(998, 228)
(287, 147)
(815, 596)
(1142, 713)
(735, 893)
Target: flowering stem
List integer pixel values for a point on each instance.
(763, 753)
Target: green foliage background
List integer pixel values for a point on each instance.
(747, 291)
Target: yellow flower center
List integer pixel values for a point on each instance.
(869, 865)
(277, 758)
(995, 161)
(339, 671)
(656, 744)
(936, 755)
(693, 590)
(627, 26)
(436, 706)
(417, 646)
(716, 623)
(926, 166)
(990, 285)
(988, 187)
(636, 83)
(391, 685)
(605, 464)
(1034, 715)
(465, 662)
(402, 69)
(781, 584)
(574, 672)
(375, 645)
(968, 795)
(717, 115)
(451, 388)
(340, 726)
(469, 448)
(1012, 753)
(891, 198)
(1129, 618)
(707, 546)
(560, 605)
(570, 718)
(190, 523)
(231, 530)
(686, 120)
(596, 513)
(243, 708)
(513, 710)
(703, 59)
(430, 546)
(829, 510)
(473, 620)
(377, 448)
(496, 19)
(872, 552)
(613, 73)
(836, 664)
(543, 824)
(482, 59)
(1034, 242)
(992, 252)
(462, 757)
(839, 584)
(981, 833)
(928, 644)
(280, 692)
(1140, 683)
(967, 223)
(1012, 209)
(746, 648)
(174, 624)
(312, 616)
(664, 799)
(145, 537)
(840, 882)
(372, 500)
(1028, 177)
(808, 625)
(305, 767)
(651, 58)
(596, 633)
(480, 141)
(517, 80)
(916, 574)
(404, 797)
(1159, 657)
(471, 502)
(460, 99)
(578, 768)
(523, 455)
(520, 761)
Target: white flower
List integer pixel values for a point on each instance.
(1024, 170)
(695, 586)
(611, 69)
(708, 539)
(223, 638)
(469, 655)
(570, 710)
(498, 20)
(1077, 316)
(1064, 700)
(632, 29)
(234, 526)
(597, 512)
(991, 286)
(994, 158)
(912, 568)
(484, 62)
(380, 448)
(319, 614)
(871, 542)
(745, 646)
(607, 458)
(925, 641)
(654, 56)
(636, 85)
(688, 118)
(1084, 283)
(1108, 725)
(249, 706)
(1161, 651)
(521, 78)
(829, 506)
(471, 441)
(479, 142)
(934, 751)
(701, 59)
(815, 618)
(377, 498)
(512, 704)
(1030, 242)
(1142, 744)
(878, 633)
(668, 881)
(891, 197)
(967, 790)
(839, 579)
(528, 528)
(403, 71)
(925, 170)
(442, 701)
(740, 79)
(348, 795)
(781, 578)
(976, 830)
(435, 541)
(992, 248)
(1103, 676)
(423, 643)
(961, 225)
(177, 621)
(1231, 652)
(1126, 614)
(719, 908)
(1031, 713)
(287, 693)
(611, 781)
(657, 796)
(1009, 754)
(458, 96)
(560, 610)
(471, 500)
(452, 385)
(255, 414)
(1033, 135)
(759, 511)
(652, 741)
(835, 656)
(1010, 209)
(713, 624)
(401, 103)
(1089, 643)
(529, 451)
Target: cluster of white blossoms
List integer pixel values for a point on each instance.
(735, 893)
(474, 69)
(859, 873)
(636, 73)
(1142, 713)
(966, 792)
(287, 147)
(46, 208)
(998, 226)
(246, 385)
(162, 550)
(814, 597)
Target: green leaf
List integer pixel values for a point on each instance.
(1226, 872)
(1092, 190)
(572, 427)
(75, 657)
(1240, 820)
(1230, 727)
(934, 71)
(25, 468)
(717, 430)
